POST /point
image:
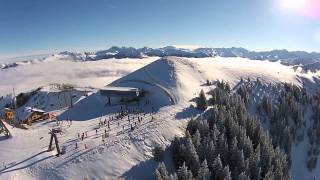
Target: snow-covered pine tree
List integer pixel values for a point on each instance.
(226, 174)
(202, 103)
(161, 172)
(204, 172)
(217, 168)
(183, 173)
(192, 158)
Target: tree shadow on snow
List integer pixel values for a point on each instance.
(313, 85)
(146, 169)
(188, 113)
(143, 170)
(3, 137)
(8, 168)
(193, 99)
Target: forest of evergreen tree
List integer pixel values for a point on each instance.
(230, 143)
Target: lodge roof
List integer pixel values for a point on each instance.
(27, 112)
(119, 89)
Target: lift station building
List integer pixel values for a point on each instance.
(117, 95)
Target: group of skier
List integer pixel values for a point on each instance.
(134, 115)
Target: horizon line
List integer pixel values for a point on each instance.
(191, 47)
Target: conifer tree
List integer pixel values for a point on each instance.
(217, 167)
(204, 172)
(161, 172)
(183, 173)
(226, 174)
(202, 103)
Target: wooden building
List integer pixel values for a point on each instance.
(32, 115)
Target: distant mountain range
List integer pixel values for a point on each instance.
(284, 56)
(6, 63)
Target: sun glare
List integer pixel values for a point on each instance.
(293, 4)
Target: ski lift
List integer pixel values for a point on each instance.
(54, 136)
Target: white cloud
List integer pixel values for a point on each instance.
(91, 73)
(5, 56)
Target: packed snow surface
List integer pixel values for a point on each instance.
(126, 153)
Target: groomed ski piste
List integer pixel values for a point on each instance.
(126, 153)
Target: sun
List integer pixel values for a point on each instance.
(293, 4)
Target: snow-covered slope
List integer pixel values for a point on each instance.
(183, 77)
(171, 82)
(171, 74)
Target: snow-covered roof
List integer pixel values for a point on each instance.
(35, 109)
(122, 89)
(24, 113)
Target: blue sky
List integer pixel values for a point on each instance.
(42, 26)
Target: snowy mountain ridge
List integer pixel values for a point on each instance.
(284, 56)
